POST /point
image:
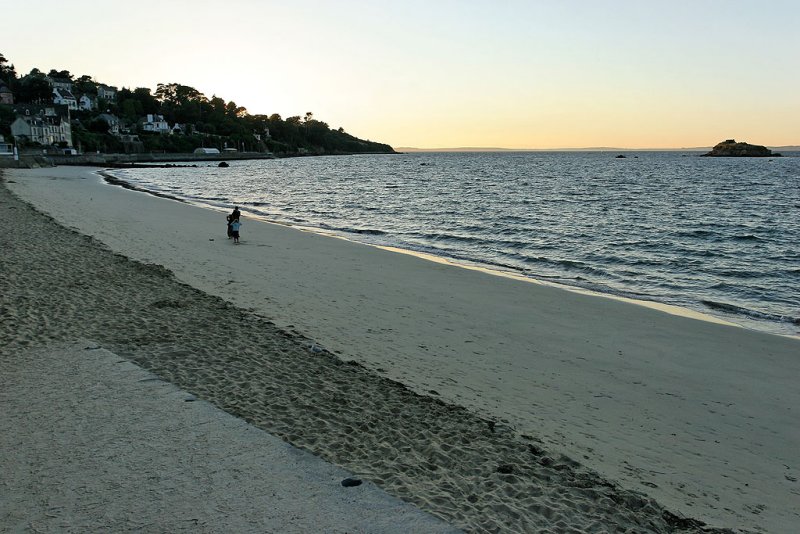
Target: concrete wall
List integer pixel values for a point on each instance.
(102, 159)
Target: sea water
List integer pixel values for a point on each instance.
(716, 235)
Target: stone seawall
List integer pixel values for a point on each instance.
(105, 159)
(30, 160)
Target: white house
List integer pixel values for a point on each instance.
(87, 103)
(106, 92)
(63, 97)
(60, 83)
(258, 135)
(155, 123)
(47, 126)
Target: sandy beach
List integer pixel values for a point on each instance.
(91, 442)
(493, 403)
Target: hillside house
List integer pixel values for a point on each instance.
(60, 83)
(155, 123)
(46, 126)
(129, 138)
(63, 97)
(6, 96)
(87, 103)
(112, 121)
(106, 92)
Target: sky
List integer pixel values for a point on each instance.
(446, 73)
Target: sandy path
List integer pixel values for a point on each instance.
(701, 416)
(90, 442)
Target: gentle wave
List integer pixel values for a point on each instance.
(738, 310)
(363, 231)
(748, 237)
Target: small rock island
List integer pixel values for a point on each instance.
(732, 149)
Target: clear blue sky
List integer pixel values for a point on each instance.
(519, 74)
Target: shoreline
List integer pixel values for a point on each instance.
(673, 309)
(474, 473)
(653, 402)
(155, 160)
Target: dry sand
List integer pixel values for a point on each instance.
(92, 443)
(699, 416)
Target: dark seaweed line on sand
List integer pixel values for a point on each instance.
(274, 366)
(113, 180)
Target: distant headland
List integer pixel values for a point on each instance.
(62, 115)
(731, 149)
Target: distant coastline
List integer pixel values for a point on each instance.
(787, 148)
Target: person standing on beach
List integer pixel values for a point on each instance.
(234, 216)
(235, 225)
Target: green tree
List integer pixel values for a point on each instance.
(7, 116)
(7, 72)
(85, 85)
(177, 94)
(130, 109)
(98, 126)
(148, 102)
(234, 111)
(180, 103)
(34, 89)
(133, 105)
(65, 74)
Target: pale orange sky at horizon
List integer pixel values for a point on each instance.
(512, 74)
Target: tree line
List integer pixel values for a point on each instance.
(204, 122)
